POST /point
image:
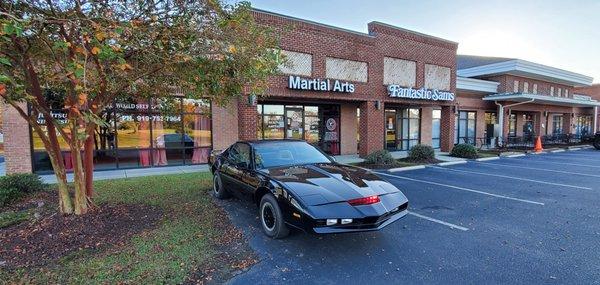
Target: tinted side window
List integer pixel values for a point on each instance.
(240, 153)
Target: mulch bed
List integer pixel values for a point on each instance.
(399, 164)
(52, 236)
(422, 161)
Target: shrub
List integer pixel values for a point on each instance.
(15, 186)
(7, 195)
(464, 151)
(24, 182)
(380, 157)
(421, 152)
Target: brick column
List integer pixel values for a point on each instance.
(567, 123)
(519, 124)
(538, 119)
(348, 126)
(480, 123)
(371, 128)
(447, 126)
(426, 121)
(17, 147)
(224, 125)
(247, 119)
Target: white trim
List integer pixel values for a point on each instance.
(528, 69)
(478, 85)
(407, 168)
(562, 101)
(448, 163)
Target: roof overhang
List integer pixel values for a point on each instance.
(542, 99)
(528, 69)
(476, 85)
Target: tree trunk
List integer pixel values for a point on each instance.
(88, 165)
(65, 204)
(81, 201)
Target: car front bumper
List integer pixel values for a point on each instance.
(362, 227)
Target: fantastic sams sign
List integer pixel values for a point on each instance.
(395, 91)
(325, 85)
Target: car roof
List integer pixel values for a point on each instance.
(253, 142)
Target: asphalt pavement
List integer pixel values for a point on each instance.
(532, 219)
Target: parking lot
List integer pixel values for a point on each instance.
(532, 219)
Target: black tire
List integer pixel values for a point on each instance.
(218, 190)
(271, 218)
(597, 144)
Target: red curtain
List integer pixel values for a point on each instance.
(201, 123)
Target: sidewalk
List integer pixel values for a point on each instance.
(138, 172)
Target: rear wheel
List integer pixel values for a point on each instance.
(597, 143)
(271, 217)
(218, 190)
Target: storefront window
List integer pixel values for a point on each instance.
(557, 125)
(140, 134)
(403, 128)
(436, 128)
(318, 125)
(466, 127)
(528, 125)
(584, 125)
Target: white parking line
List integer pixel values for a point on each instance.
(453, 226)
(515, 178)
(465, 189)
(577, 154)
(545, 160)
(584, 159)
(540, 169)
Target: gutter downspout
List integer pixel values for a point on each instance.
(501, 116)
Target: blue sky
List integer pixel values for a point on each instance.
(563, 34)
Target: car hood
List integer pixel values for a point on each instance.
(324, 183)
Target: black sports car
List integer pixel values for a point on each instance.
(296, 185)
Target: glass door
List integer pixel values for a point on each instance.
(490, 125)
(390, 130)
(294, 123)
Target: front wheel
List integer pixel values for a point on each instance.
(218, 190)
(597, 143)
(271, 218)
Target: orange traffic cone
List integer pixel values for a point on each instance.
(538, 145)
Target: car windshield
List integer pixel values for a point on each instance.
(275, 154)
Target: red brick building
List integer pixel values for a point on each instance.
(349, 93)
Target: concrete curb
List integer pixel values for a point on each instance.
(487, 158)
(398, 169)
(558, 150)
(574, 149)
(451, 163)
(516, 155)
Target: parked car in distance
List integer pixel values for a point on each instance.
(295, 185)
(174, 143)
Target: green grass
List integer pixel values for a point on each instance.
(184, 241)
(487, 153)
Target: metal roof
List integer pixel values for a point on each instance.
(544, 99)
(468, 61)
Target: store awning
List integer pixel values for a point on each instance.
(577, 101)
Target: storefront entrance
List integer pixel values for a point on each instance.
(403, 128)
(317, 124)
